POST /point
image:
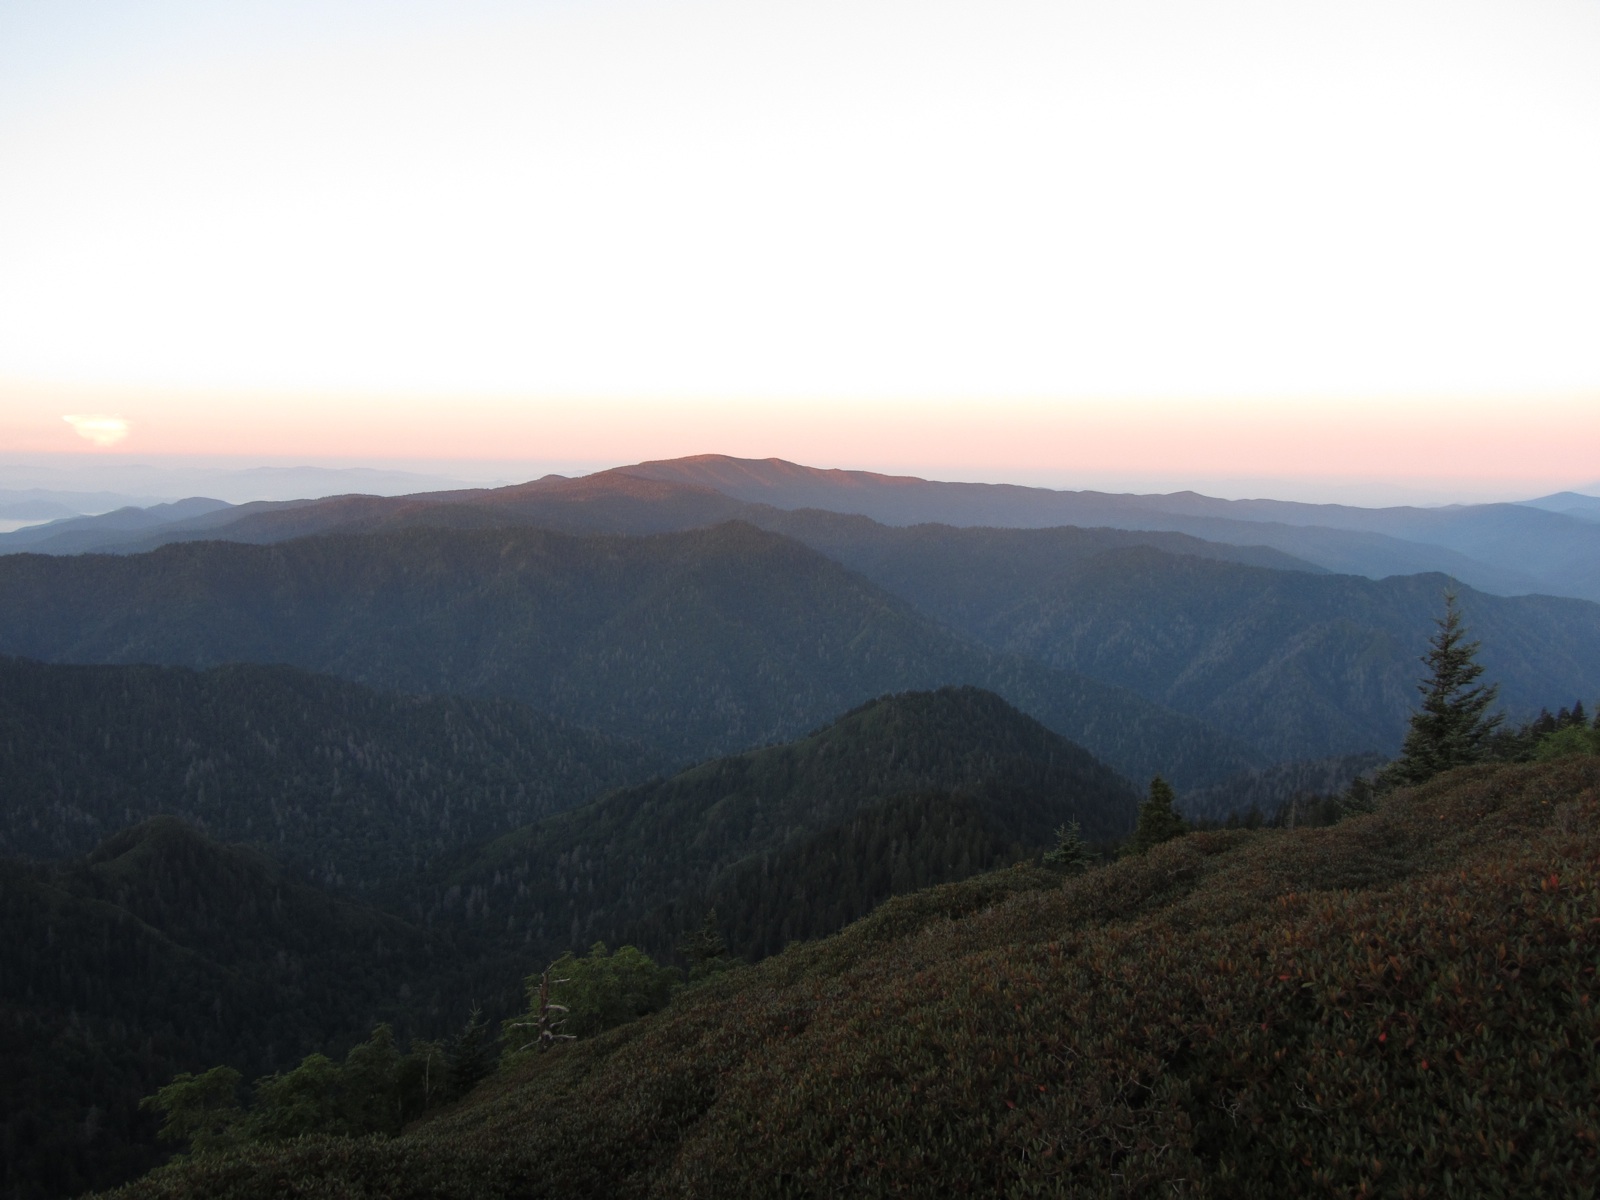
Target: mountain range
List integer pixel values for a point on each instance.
(694, 644)
(1276, 659)
(1550, 545)
(272, 772)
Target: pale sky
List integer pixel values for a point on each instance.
(1332, 239)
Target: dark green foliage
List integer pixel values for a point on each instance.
(376, 1089)
(705, 950)
(1547, 736)
(1071, 854)
(820, 884)
(471, 1054)
(1158, 820)
(164, 953)
(598, 991)
(746, 833)
(1573, 739)
(350, 786)
(1359, 798)
(1451, 728)
(200, 1111)
(1268, 789)
(695, 644)
(1403, 1001)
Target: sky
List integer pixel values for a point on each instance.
(1336, 249)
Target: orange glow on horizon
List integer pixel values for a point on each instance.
(1551, 438)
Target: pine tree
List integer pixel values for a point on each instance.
(705, 949)
(1158, 820)
(470, 1055)
(1071, 853)
(1450, 729)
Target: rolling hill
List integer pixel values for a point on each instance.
(792, 841)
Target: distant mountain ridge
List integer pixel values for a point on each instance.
(695, 644)
(1293, 663)
(1502, 548)
(1505, 549)
(1300, 665)
(1572, 504)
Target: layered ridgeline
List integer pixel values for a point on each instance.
(1299, 665)
(1403, 1001)
(792, 841)
(1509, 549)
(1293, 661)
(161, 952)
(355, 787)
(696, 644)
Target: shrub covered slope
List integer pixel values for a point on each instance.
(1403, 1004)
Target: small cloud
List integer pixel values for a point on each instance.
(99, 428)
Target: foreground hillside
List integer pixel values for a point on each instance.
(1401, 1004)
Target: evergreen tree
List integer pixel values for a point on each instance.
(1450, 729)
(705, 949)
(1360, 797)
(1071, 853)
(1158, 820)
(471, 1054)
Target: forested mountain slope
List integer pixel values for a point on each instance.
(908, 789)
(695, 644)
(161, 952)
(355, 787)
(1373, 1008)
(1300, 665)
